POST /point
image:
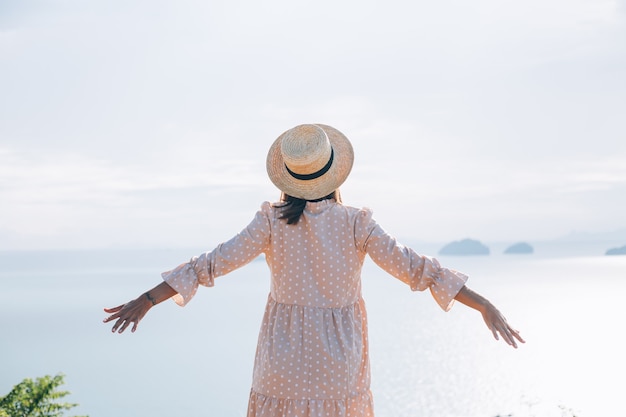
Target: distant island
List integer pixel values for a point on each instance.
(617, 251)
(519, 248)
(464, 247)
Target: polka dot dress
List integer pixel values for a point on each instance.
(312, 354)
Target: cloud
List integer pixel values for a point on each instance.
(58, 194)
(466, 110)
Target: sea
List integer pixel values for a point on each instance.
(197, 361)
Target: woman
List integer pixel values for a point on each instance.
(312, 354)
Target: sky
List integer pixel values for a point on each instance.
(146, 123)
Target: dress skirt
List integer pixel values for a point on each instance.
(312, 362)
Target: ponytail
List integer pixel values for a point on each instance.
(291, 208)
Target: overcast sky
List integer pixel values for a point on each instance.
(146, 123)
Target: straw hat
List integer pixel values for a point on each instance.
(310, 161)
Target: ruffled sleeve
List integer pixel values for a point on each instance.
(226, 257)
(418, 271)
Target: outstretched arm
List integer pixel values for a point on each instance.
(133, 311)
(493, 318)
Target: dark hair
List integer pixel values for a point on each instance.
(291, 208)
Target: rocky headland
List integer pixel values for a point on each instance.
(465, 247)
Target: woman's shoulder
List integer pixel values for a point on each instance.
(357, 214)
(356, 209)
(270, 208)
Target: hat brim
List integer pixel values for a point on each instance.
(318, 187)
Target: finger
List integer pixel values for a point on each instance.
(510, 336)
(134, 327)
(125, 325)
(112, 317)
(108, 319)
(117, 324)
(512, 333)
(493, 327)
(509, 340)
(494, 331)
(517, 335)
(114, 309)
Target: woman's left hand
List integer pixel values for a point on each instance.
(131, 312)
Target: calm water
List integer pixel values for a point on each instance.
(197, 360)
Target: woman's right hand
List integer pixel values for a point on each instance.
(496, 322)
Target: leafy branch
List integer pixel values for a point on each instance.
(36, 398)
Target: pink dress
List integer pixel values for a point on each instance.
(312, 354)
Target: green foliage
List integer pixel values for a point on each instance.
(36, 398)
